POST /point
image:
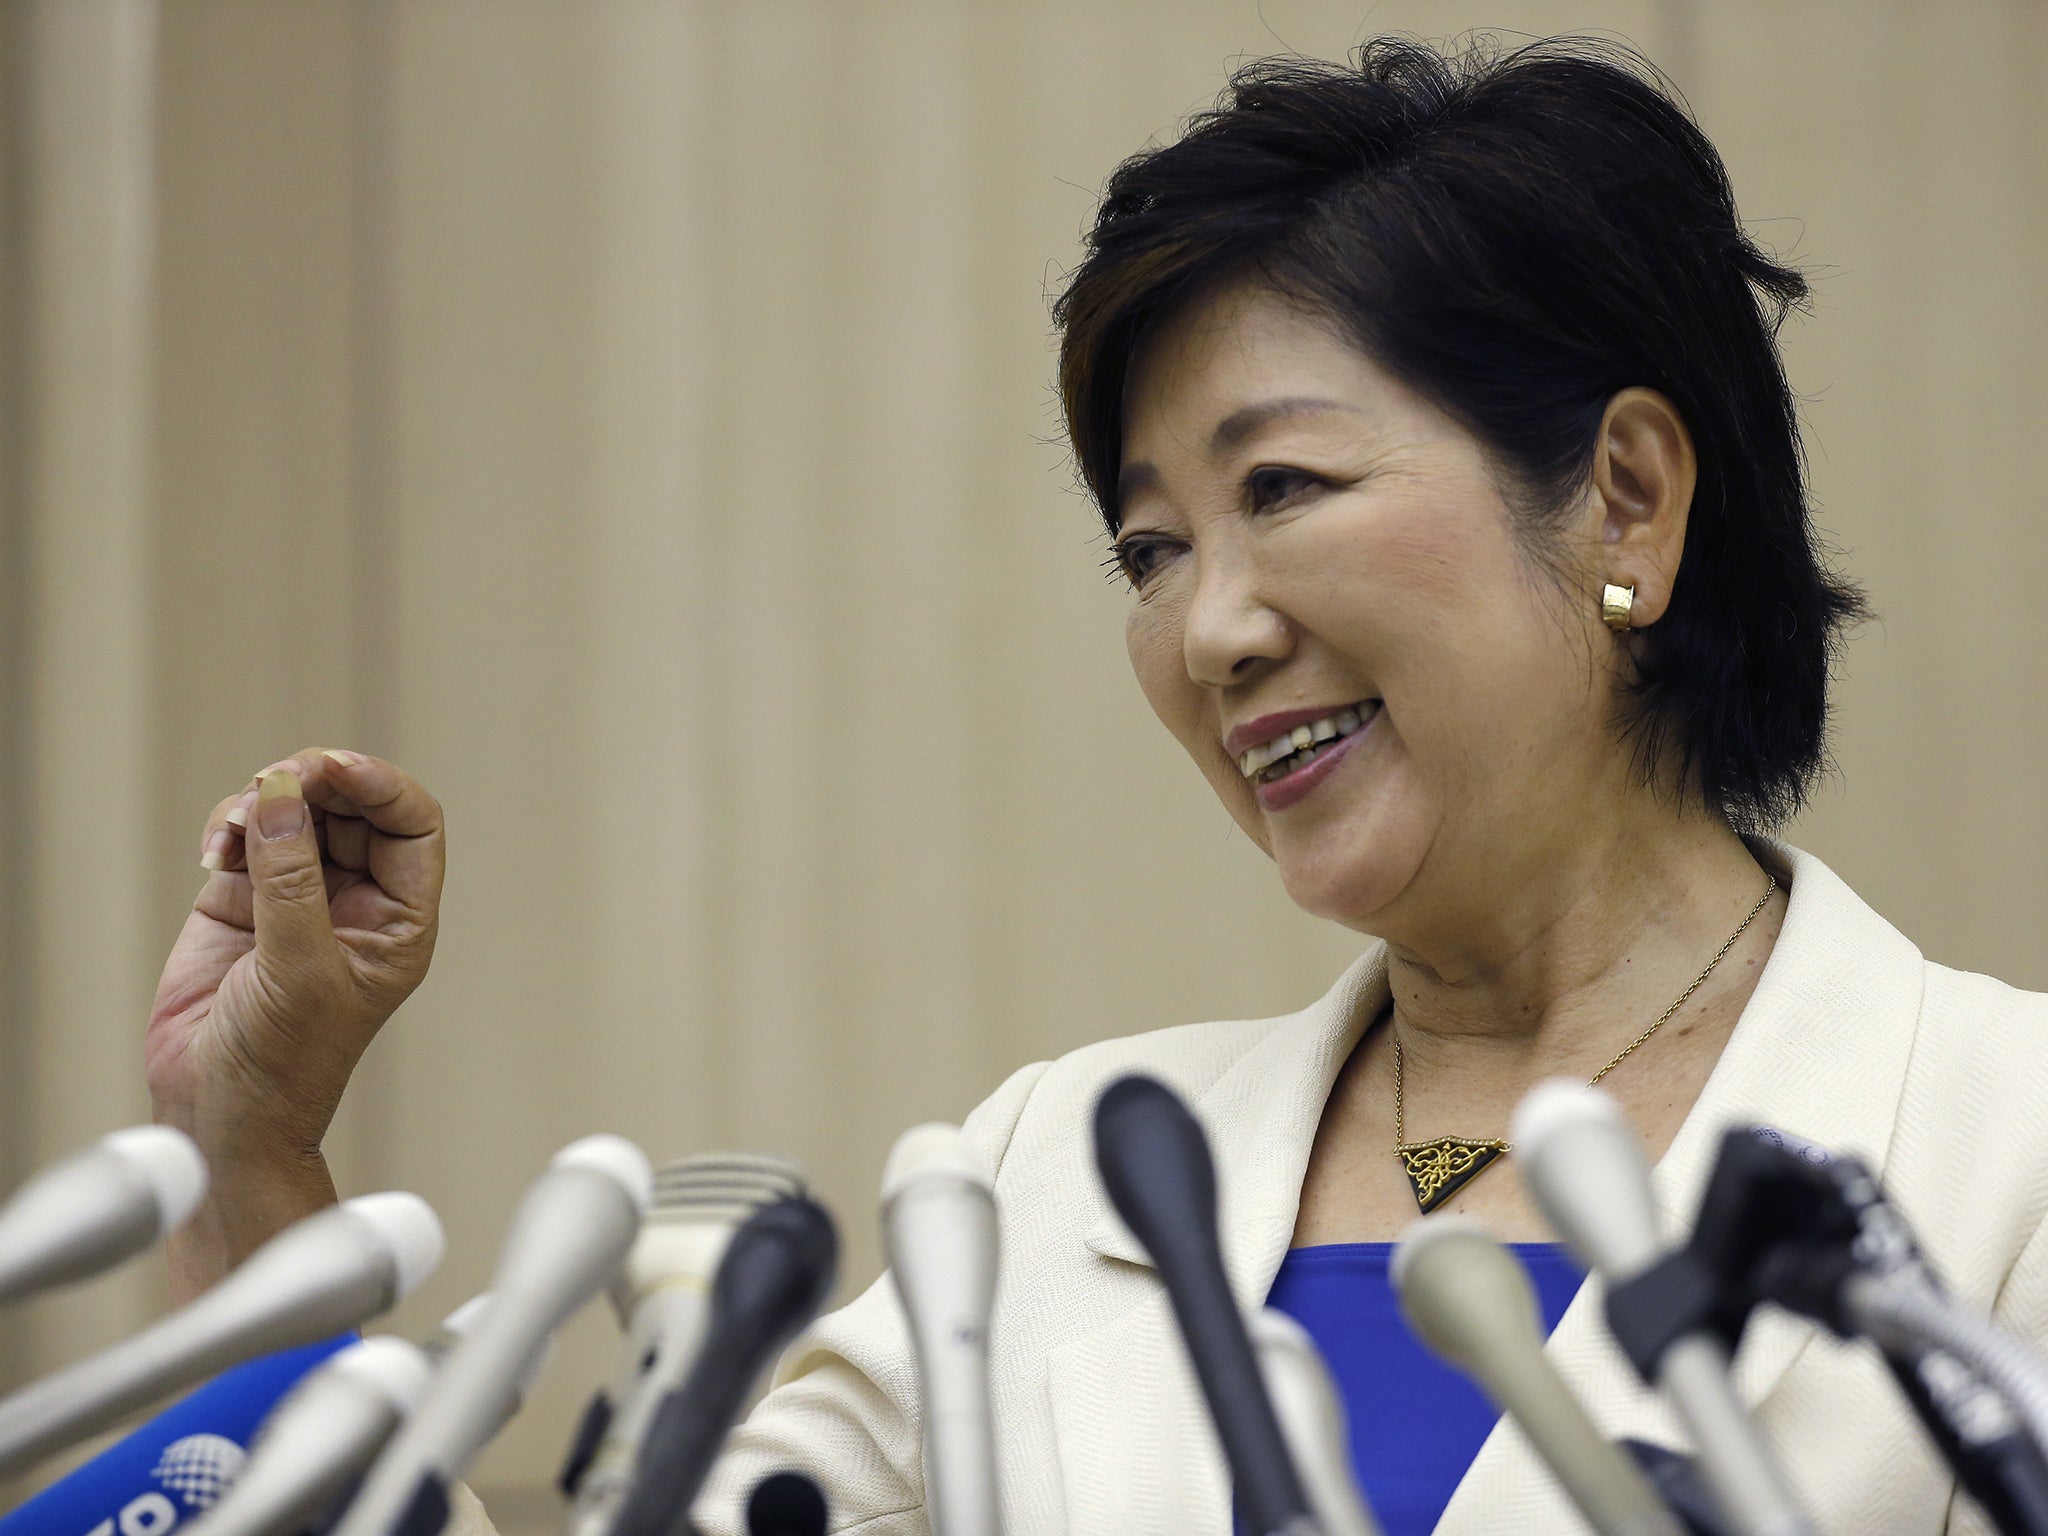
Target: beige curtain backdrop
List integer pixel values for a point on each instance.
(635, 418)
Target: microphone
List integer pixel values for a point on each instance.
(98, 1207)
(320, 1438)
(1587, 1171)
(662, 1296)
(1312, 1421)
(1469, 1300)
(939, 1228)
(456, 1326)
(1785, 1222)
(786, 1504)
(570, 1233)
(1155, 1165)
(330, 1272)
(774, 1277)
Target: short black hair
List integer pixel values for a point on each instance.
(1517, 234)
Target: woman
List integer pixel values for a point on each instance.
(1435, 408)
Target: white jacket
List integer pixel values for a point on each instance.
(1852, 1040)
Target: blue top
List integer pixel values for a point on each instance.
(1416, 1423)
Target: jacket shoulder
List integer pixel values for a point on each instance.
(1188, 1058)
(1969, 1156)
(1975, 1024)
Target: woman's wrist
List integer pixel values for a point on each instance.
(254, 1193)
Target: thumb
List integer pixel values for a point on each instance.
(293, 928)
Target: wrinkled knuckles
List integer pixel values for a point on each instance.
(299, 883)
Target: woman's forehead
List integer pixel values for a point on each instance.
(1234, 363)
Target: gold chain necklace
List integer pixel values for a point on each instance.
(1439, 1169)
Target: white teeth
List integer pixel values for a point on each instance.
(1256, 760)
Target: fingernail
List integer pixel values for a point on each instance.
(216, 855)
(238, 813)
(346, 759)
(280, 804)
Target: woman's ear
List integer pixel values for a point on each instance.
(1644, 470)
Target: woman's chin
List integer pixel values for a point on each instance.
(1351, 890)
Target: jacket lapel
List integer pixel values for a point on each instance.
(1821, 1052)
(1261, 1115)
(1137, 1450)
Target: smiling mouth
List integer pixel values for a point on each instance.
(1301, 746)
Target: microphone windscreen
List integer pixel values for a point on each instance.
(929, 1151)
(170, 1162)
(786, 1504)
(1155, 1165)
(1586, 1168)
(617, 1159)
(1463, 1294)
(408, 1228)
(396, 1369)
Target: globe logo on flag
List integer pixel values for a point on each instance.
(200, 1468)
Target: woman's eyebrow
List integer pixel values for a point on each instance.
(1247, 419)
(1142, 475)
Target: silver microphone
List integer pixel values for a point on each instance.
(1587, 1171)
(570, 1234)
(1311, 1418)
(663, 1297)
(939, 1227)
(98, 1207)
(327, 1430)
(1469, 1300)
(319, 1438)
(330, 1272)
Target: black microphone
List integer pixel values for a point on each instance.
(786, 1504)
(775, 1275)
(1156, 1168)
(1786, 1222)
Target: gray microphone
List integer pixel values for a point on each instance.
(330, 1272)
(570, 1234)
(98, 1207)
(663, 1298)
(1584, 1165)
(320, 1438)
(1469, 1300)
(939, 1227)
(1311, 1418)
(326, 1431)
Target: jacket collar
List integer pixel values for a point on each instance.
(1820, 1051)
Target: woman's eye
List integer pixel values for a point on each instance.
(1139, 558)
(1272, 486)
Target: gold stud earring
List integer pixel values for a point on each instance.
(1617, 606)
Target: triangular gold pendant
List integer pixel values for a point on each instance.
(1439, 1169)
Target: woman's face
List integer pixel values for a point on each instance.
(1322, 556)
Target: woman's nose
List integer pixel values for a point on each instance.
(1231, 628)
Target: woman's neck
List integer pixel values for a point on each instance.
(1573, 963)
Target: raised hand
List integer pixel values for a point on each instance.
(317, 920)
